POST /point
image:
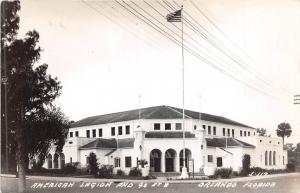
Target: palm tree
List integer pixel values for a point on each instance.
(284, 129)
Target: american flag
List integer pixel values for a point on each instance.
(174, 17)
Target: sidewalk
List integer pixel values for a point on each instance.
(158, 179)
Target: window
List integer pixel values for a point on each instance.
(70, 142)
(274, 158)
(232, 132)
(228, 132)
(88, 133)
(71, 134)
(100, 132)
(224, 131)
(168, 126)
(128, 162)
(195, 127)
(120, 130)
(76, 134)
(117, 162)
(156, 126)
(204, 127)
(219, 162)
(241, 133)
(214, 130)
(209, 158)
(178, 126)
(283, 160)
(254, 133)
(245, 133)
(94, 132)
(127, 128)
(209, 130)
(248, 133)
(260, 141)
(113, 131)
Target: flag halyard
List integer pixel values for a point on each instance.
(174, 17)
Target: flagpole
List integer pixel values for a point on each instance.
(184, 173)
(183, 117)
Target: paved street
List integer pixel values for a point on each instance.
(287, 184)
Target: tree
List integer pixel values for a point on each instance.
(9, 27)
(284, 129)
(290, 147)
(34, 123)
(246, 164)
(261, 132)
(93, 165)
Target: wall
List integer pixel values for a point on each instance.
(268, 144)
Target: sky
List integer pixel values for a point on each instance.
(241, 58)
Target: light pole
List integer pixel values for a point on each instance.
(4, 82)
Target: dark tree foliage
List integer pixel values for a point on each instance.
(261, 132)
(34, 123)
(93, 165)
(246, 165)
(9, 20)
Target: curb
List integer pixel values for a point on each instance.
(76, 179)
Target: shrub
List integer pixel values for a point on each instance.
(105, 171)
(222, 173)
(135, 172)
(290, 167)
(93, 165)
(70, 168)
(120, 172)
(36, 167)
(149, 177)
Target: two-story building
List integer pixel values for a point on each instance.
(156, 135)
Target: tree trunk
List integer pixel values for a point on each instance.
(283, 142)
(21, 153)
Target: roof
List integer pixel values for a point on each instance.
(111, 143)
(168, 134)
(231, 142)
(156, 112)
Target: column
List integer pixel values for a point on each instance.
(163, 162)
(177, 162)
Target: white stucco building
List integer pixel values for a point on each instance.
(156, 135)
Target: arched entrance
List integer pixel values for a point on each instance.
(170, 156)
(188, 156)
(55, 161)
(155, 160)
(49, 161)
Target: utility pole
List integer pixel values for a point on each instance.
(297, 99)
